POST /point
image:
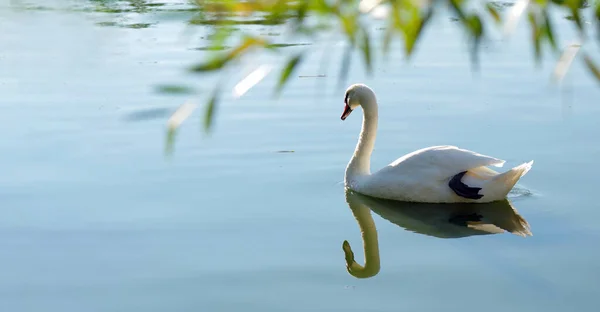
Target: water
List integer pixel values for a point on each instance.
(96, 218)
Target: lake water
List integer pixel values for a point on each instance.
(95, 217)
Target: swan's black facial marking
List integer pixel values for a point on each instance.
(462, 189)
(347, 109)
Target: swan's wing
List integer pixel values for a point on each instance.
(439, 162)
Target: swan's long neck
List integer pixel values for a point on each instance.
(368, 231)
(360, 163)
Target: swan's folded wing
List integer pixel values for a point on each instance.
(440, 162)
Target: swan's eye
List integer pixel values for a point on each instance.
(346, 98)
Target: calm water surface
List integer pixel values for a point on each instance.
(94, 217)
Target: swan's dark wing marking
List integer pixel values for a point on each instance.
(462, 189)
(465, 219)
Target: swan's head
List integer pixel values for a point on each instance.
(349, 255)
(356, 95)
(355, 269)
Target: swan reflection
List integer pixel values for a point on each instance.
(453, 220)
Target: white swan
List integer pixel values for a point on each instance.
(437, 174)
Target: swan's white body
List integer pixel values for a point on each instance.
(423, 175)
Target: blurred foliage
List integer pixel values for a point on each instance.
(405, 20)
(174, 89)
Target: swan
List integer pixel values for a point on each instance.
(436, 174)
(445, 221)
(454, 220)
(368, 231)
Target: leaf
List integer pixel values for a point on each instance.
(592, 67)
(345, 66)
(251, 80)
(410, 29)
(416, 34)
(349, 26)
(548, 30)
(366, 49)
(301, 13)
(536, 34)
(174, 89)
(473, 23)
(577, 18)
(564, 62)
(220, 61)
(493, 12)
(209, 113)
(212, 65)
(514, 15)
(387, 39)
(170, 141)
(457, 9)
(287, 71)
(176, 119)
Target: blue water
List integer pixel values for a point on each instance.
(95, 217)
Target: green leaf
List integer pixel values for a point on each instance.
(536, 36)
(410, 26)
(549, 31)
(456, 6)
(174, 89)
(345, 66)
(475, 26)
(301, 13)
(220, 61)
(287, 71)
(387, 39)
(350, 26)
(175, 121)
(170, 141)
(209, 113)
(592, 67)
(212, 65)
(366, 49)
(417, 30)
(493, 12)
(577, 19)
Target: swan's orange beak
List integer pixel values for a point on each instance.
(347, 111)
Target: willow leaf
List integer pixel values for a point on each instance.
(536, 34)
(387, 39)
(209, 113)
(287, 71)
(170, 141)
(423, 21)
(549, 30)
(493, 12)
(592, 67)
(366, 49)
(577, 19)
(220, 61)
(345, 66)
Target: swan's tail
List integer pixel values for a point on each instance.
(499, 186)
